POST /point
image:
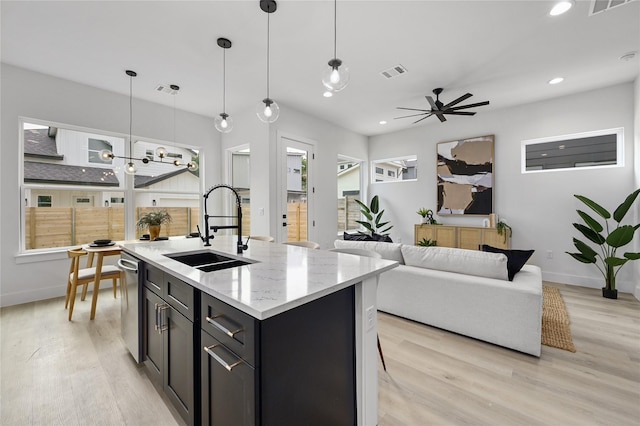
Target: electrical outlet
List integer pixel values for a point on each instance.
(261, 211)
(370, 317)
(549, 254)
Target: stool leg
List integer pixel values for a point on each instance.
(381, 356)
(72, 299)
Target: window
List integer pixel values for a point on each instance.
(349, 182)
(395, 169)
(603, 148)
(95, 146)
(44, 200)
(241, 182)
(70, 198)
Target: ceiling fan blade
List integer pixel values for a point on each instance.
(422, 119)
(457, 101)
(441, 117)
(434, 107)
(459, 113)
(413, 115)
(414, 109)
(469, 106)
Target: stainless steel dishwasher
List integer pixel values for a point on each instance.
(130, 290)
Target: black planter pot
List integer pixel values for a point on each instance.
(609, 294)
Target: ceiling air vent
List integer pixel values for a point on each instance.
(598, 6)
(166, 88)
(394, 71)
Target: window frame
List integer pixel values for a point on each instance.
(126, 186)
(375, 175)
(618, 131)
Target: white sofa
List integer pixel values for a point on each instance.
(464, 291)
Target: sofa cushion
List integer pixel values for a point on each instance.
(389, 251)
(468, 262)
(515, 258)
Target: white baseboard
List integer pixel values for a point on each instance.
(35, 295)
(591, 282)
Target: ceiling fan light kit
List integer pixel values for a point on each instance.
(439, 109)
(336, 76)
(268, 110)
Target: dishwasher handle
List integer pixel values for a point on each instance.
(121, 264)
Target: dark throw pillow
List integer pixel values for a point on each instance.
(382, 238)
(357, 237)
(515, 258)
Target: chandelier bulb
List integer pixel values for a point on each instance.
(130, 168)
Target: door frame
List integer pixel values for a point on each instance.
(283, 140)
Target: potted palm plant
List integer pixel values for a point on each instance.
(153, 221)
(374, 224)
(606, 244)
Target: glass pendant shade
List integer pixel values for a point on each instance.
(161, 152)
(192, 165)
(130, 168)
(335, 76)
(106, 155)
(268, 111)
(223, 123)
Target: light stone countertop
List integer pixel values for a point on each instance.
(282, 277)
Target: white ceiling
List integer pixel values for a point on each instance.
(501, 51)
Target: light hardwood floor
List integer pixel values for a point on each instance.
(55, 372)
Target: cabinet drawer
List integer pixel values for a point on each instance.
(180, 296)
(233, 328)
(153, 278)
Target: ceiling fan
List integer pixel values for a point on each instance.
(439, 109)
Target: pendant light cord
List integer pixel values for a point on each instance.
(130, 118)
(224, 81)
(335, 28)
(268, 64)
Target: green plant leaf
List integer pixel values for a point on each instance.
(594, 206)
(367, 215)
(591, 222)
(615, 261)
(363, 206)
(584, 248)
(385, 230)
(375, 206)
(623, 208)
(367, 225)
(379, 217)
(632, 256)
(380, 225)
(620, 236)
(590, 234)
(581, 258)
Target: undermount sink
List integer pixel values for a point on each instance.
(207, 261)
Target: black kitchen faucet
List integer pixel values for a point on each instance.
(241, 246)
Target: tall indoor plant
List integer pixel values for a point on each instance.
(607, 243)
(374, 224)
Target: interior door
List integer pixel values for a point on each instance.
(295, 190)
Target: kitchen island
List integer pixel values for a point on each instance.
(296, 327)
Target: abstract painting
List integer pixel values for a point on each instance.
(465, 176)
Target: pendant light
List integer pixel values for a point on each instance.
(224, 123)
(336, 75)
(130, 168)
(268, 110)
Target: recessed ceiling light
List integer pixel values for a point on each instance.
(556, 80)
(327, 94)
(383, 122)
(560, 8)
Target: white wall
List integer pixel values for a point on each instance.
(539, 207)
(636, 142)
(34, 95)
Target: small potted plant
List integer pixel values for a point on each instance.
(425, 242)
(427, 216)
(153, 221)
(377, 229)
(504, 230)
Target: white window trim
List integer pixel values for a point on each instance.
(618, 131)
(382, 160)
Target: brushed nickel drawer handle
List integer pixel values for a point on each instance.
(163, 326)
(209, 350)
(222, 328)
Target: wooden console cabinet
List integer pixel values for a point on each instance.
(465, 237)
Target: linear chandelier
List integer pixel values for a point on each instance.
(161, 152)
